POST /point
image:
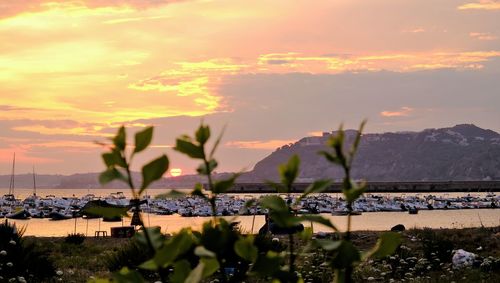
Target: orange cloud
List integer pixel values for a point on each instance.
(414, 30)
(297, 62)
(481, 5)
(404, 111)
(270, 144)
(192, 79)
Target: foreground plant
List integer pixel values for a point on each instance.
(118, 161)
(220, 250)
(343, 255)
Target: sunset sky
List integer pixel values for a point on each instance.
(71, 72)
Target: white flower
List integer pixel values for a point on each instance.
(59, 273)
(370, 278)
(12, 242)
(10, 264)
(3, 252)
(275, 240)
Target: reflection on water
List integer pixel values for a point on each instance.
(367, 221)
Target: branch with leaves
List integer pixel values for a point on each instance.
(343, 254)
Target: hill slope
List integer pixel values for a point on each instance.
(462, 152)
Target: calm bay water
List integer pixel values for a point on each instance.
(376, 221)
(171, 223)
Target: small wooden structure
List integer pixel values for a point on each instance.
(122, 232)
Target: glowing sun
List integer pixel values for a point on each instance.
(174, 172)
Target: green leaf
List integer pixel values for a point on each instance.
(248, 204)
(289, 171)
(222, 186)
(318, 219)
(196, 274)
(114, 158)
(190, 149)
(126, 275)
(357, 140)
(201, 251)
(120, 140)
(355, 192)
(274, 203)
(330, 157)
(211, 265)
(153, 171)
(267, 264)
(174, 247)
(345, 255)
(149, 264)
(307, 234)
(104, 211)
(245, 249)
(386, 245)
(203, 170)
(284, 220)
(217, 142)
(109, 159)
(280, 188)
(155, 235)
(198, 191)
(202, 134)
(317, 187)
(109, 175)
(173, 194)
(143, 139)
(328, 245)
(182, 268)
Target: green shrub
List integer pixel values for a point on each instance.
(436, 248)
(131, 256)
(19, 259)
(75, 239)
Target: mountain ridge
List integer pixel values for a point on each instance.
(462, 152)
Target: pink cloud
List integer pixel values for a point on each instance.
(22, 156)
(270, 144)
(12, 8)
(482, 36)
(404, 111)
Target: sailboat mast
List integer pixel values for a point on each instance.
(34, 181)
(12, 179)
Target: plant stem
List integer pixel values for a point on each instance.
(161, 271)
(290, 236)
(211, 187)
(292, 255)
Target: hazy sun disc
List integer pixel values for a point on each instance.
(174, 172)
